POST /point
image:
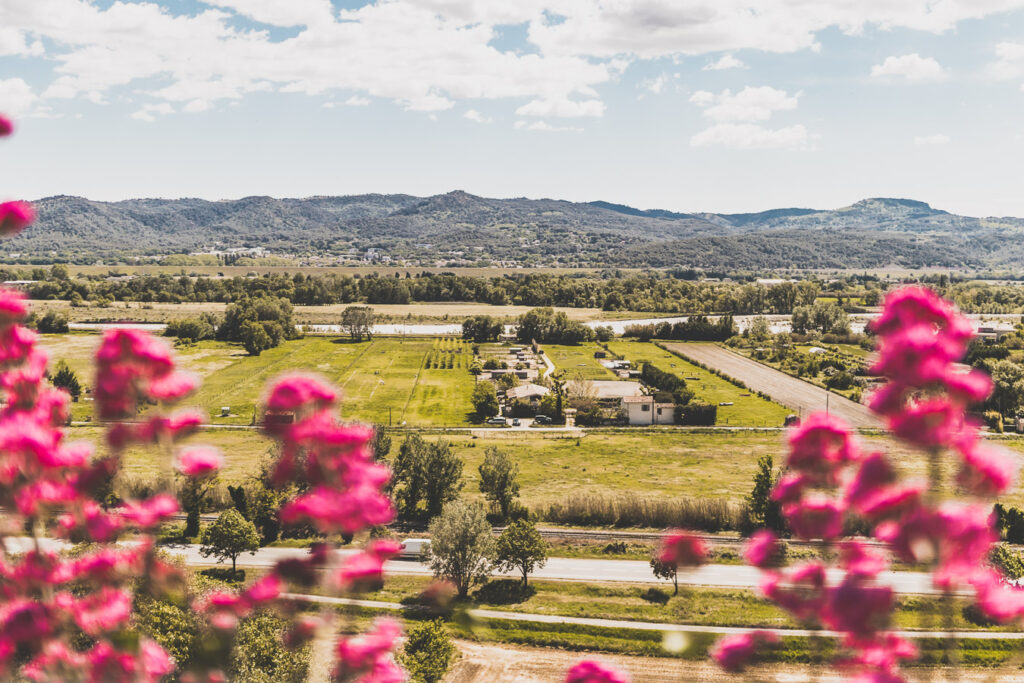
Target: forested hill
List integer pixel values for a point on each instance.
(459, 228)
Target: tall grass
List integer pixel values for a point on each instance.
(700, 514)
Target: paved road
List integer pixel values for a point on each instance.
(557, 568)
(802, 397)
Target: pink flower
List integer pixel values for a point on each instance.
(366, 570)
(801, 591)
(591, 672)
(891, 501)
(932, 423)
(12, 306)
(334, 511)
(6, 126)
(173, 386)
(264, 590)
(734, 652)
(199, 461)
(814, 518)
(858, 557)
(999, 601)
(150, 512)
(821, 442)
(15, 217)
(682, 549)
(790, 487)
(105, 610)
(874, 472)
(857, 606)
(369, 653)
(300, 391)
(986, 471)
(763, 549)
(911, 306)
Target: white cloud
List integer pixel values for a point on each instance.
(752, 136)
(546, 127)
(749, 104)
(655, 85)
(562, 108)
(474, 115)
(357, 101)
(196, 106)
(17, 97)
(912, 67)
(1010, 61)
(725, 62)
(937, 139)
(149, 112)
(280, 12)
(423, 54)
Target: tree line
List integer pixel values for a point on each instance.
(654, 292)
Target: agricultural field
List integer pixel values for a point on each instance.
(328, 314)
(747, 409)
(419, 381)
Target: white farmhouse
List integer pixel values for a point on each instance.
(643, 410)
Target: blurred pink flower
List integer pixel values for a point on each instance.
(762, 549)
(6, 126)
(815, 517)
(15, 217)
(682, 549)
(199, 461)
(734, 652)
(591, 672)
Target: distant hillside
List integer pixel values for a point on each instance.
(459, 228)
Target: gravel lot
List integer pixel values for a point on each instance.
(802, 397)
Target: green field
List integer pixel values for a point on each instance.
(386, 380)
(747, 409)
(577, 360)
(652, 463)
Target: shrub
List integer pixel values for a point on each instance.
(52, 322)
(698, 414)
(428, 652)
(703, 514)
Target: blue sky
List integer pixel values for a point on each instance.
(691, 105)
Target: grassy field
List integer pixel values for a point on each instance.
(747, 410)
(605, 463)
(387, 379)
(577, 360)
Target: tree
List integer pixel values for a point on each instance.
(481, 328)
(65, 378)
(765, 512)
(191, 495)
(759, 329)
(230, 536)
(665, 570)
(425, 476)
(380, 445)
(239, 499)
(428, 651)
(499, 480)
(461, 545)
(52, 322)
(1007, 387)
(255, 338)
(485, 400)
(521, 547)
(358, 322)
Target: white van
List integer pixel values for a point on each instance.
(414, 548)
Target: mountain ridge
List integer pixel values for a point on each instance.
(461, 228)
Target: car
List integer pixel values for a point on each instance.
(499, 421)
(516, 422)
(542, 420)
(413, 548)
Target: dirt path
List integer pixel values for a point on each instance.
(802, 397)
(491, 663)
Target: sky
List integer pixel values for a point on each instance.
(688, 105)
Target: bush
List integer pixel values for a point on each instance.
(52, 322)
(994, 421)
(428, 652)
(699, 414)
(260, 656)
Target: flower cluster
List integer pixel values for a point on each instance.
(65, 618)
(829, 480)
